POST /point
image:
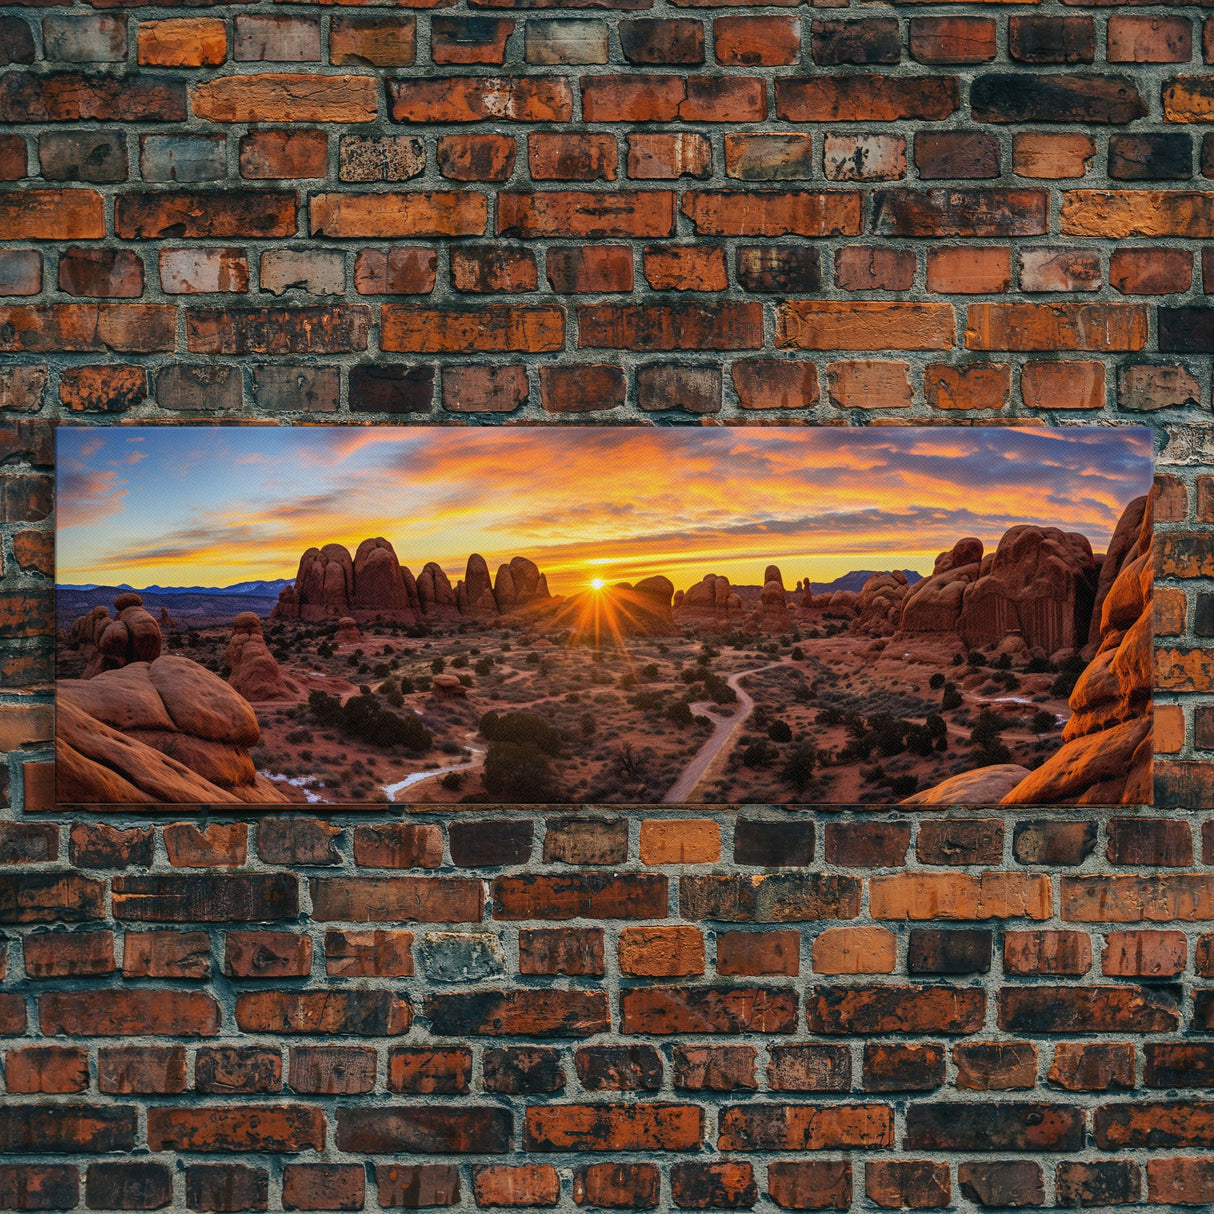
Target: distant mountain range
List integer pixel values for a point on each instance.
(259, 590)
(855, 580)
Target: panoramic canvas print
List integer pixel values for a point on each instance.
(702, 615)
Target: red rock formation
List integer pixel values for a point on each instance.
(1123, 547)
(435, 592)
(934, 604)
(1107, 744)
(447, 687)
(474, 595)
(379, 585)
(347, 631)
(324, 584)
(132, 636)
(880, 604)
(710, 599)
(982, 786)
(166, 731)
(773, 614)
(1041, 584)
(254, 670)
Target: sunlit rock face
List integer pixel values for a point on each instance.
(133, 635)
(167, 730)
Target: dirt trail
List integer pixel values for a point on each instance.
(722, 735)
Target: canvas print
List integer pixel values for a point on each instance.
(352, 616)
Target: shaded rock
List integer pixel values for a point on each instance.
(324, 584)
(1041, 583)
(447, 687)
(435, 592)
(254, 670)
(132, 636)
(879, 607)
(1123, 547)
(982, 786)
(347, 631)
(772, 574)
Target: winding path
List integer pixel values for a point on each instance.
(721, 737)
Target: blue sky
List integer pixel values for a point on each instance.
(204, 505)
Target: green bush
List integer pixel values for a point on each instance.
(521, 729)
(519, 772)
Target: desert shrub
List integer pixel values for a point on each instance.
(680, 713)
(588, 724)
(519, 772)
(975, 658)
(1003, 662)
(1039, 666)
(483, 666)
(650, 671)
(453, 781)
(986, 740)
(324, 707)
(759, 754)
(779, 731)
(648, 701)
(904, 786)
(958, 659)
(799, 768)
(936, 681)
(437, 666)
(364, 717)
(1042, 721)
(521, 729)
(305, 735)
(951, 699)
(830, 715)
(1063, 685)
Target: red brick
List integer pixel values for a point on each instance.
(166, 954)
(60, 954)
(1180, 1181)
(869, 384)
(1149, 841)
(772, 213)
(480, 99)
(469, 40)
(680, 326)
(398, 845)
(901, 1184)
(1063, 385)
(809, 1068)
(332, 1070)
(613, 1127)
(864, 97)
(656, 42)
(123, 1013)
(1061, 326)
(476, 157)
(504, 327)
(1149, 39)
(435, 213)
(182, 42)
(246, 1127)
(874, 268)
(575, 951)
(727, 1185)
(995, 1066)
(558, 156)
(968, 270)
(1093, 1066)
(498, 1185)
(775, 385)
(1057, 1009)
(956, 154)
(804, 1127)
(373, 1013)
(661, 951)
(590, 270)
(618, 1186)
(810, 1185)
(756, 41)
(714, 1068)
(515, 1013)
(903, 1068)
(364, 954)
(143, 215)
(685, 268)
(226, 1187)
(894, 1009)
(668, 155)
(107, 388)
(1137, 954)
(400, 270)
(409, 1129)
(378, 41)
(656, 98)
(974, 386)
(228, 1069)
(620, 213)
(1104, 1181)
(783, 157)
(952, 39)
(335, 329)
(493, 268)
(581, 388)
(263, 954)
(1151, 271)
(49, 1069)
(285, 97)
(76, 97)
(855, 950)
(484, 389)
(1051, 157)
(318, 1186)
(430, 1071)
(756, 953)
(129, 328)
(417, 1185)
(1170, 499)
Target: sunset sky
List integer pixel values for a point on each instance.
(212, 506)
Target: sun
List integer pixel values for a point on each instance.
(597, 583)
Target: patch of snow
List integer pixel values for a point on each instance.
(297, 782)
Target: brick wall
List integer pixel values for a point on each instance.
(648, 213)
